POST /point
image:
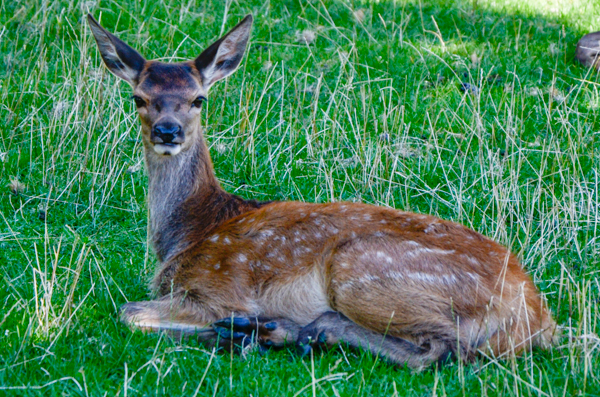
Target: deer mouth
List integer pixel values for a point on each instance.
(167, 149)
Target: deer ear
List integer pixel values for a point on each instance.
(122, 60)
(224, 56)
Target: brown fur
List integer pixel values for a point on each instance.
(413, 288)
(588, 50)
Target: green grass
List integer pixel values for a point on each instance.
(371, 110)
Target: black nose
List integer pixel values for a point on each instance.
(166, 133)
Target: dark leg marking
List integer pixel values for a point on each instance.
(333, 327)
(267, 332)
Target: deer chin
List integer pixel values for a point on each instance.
(167, 149)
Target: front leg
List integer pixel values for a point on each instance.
(267, 332)
(176, 315)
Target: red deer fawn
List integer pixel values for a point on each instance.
(412, 288)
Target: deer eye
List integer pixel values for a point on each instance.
(198, 102)
(139, 102)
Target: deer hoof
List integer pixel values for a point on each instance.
(303, 349)
(248, 329)
(309, 339)
(271, 326)
(241, 324)
(225, 333)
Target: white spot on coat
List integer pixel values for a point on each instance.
(446, 279)
(346, 285)
(435, 251)
(473, 276)
(395, 275)
(384, 256)
(431, 228)
(472, 260)
(266, 233)
(368, 279)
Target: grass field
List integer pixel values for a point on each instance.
(474, 111)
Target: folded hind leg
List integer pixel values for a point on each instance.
(333, 327)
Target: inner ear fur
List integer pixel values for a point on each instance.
(223, 57)
(122, 60)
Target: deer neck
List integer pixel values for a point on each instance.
(182, 188)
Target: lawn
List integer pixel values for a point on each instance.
(474, 111)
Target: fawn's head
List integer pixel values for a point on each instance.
(168, 96)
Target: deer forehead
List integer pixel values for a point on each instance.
(174, 79)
